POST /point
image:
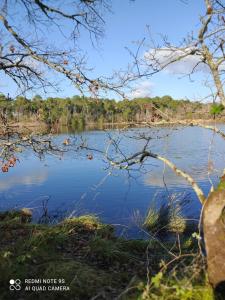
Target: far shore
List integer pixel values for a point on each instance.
(39, 126)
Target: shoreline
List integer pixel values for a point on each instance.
(90, 259)
(44, 126)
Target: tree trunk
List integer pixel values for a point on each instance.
(214, 237)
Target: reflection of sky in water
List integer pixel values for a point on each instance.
(75, 184)
(160, 178)
(32, 177)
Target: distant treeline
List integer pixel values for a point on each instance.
(78, 111)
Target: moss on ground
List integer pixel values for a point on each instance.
(94, 263)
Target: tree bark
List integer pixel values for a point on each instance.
(214, 238)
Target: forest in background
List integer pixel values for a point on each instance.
(79, 111)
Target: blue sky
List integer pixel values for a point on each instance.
(127, 24)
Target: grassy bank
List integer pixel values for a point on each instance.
(94, 263)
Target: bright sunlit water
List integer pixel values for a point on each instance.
(75, 185)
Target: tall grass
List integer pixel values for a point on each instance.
(166, 216)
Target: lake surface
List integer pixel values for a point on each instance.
(75, 185)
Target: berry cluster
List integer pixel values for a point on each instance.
(9, 164)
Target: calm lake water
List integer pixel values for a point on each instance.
(76, 185)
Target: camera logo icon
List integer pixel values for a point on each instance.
(15, 284)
